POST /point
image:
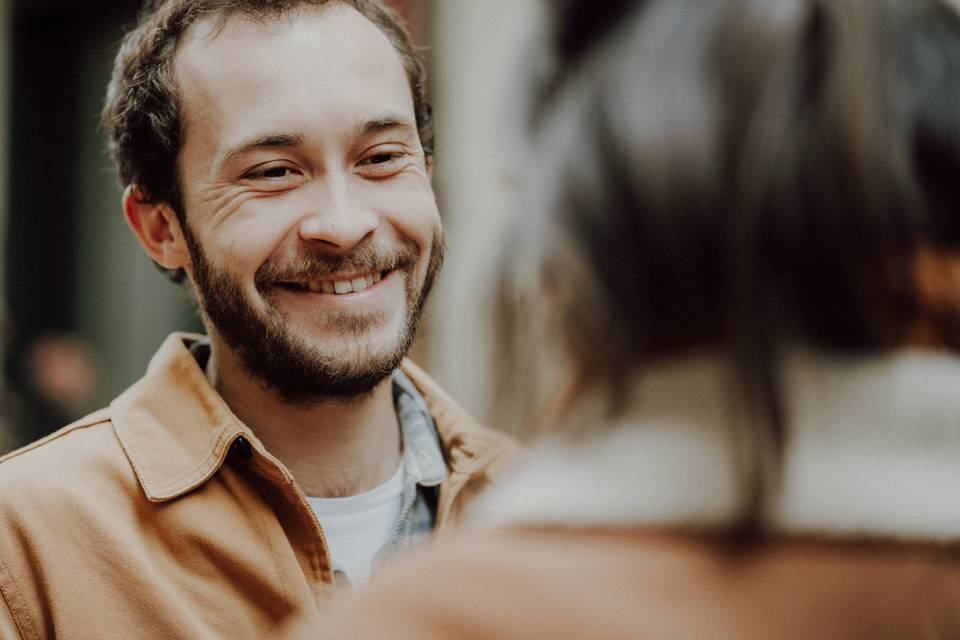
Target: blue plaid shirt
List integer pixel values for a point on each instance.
(424, 470)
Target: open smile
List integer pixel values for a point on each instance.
(339, 286)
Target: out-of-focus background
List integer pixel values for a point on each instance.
(82, 309)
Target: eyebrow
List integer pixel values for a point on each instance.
(377, 125)
(268, 141)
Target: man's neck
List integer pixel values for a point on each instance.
(332, 448)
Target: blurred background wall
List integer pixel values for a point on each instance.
(83, 307)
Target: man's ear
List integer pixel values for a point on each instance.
(428, 161)
(157, 228)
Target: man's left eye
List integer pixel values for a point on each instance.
(274, 173)
(382, 164)
(383, 158)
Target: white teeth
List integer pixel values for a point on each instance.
(340, 287)
(359, 284)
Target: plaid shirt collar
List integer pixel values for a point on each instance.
(422, 454)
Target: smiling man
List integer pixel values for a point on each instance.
(276, 154)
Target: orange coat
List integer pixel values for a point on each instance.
(147, 520)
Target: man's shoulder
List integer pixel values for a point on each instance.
(91, 426)
(75, 458)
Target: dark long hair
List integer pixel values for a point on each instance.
(731, 175)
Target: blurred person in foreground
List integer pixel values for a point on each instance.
(738, 268)
(277, 154)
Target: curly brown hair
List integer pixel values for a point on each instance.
(141, 113)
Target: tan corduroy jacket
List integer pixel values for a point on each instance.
(148, 520)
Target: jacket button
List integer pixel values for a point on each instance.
(241, 448)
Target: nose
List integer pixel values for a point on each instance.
(336, 220)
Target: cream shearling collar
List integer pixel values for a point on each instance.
(873, 450)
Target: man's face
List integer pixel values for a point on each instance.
(313, 230)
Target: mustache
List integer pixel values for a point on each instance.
(314, 264)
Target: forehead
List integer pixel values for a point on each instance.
(315, 67)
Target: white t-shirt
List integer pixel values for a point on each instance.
(357, 527)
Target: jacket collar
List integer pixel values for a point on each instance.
(871, 451)
(422, 455)
(177, 431)
(174, 427)
(470, 448)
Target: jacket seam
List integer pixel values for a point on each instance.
(53, 437)
(8, 596)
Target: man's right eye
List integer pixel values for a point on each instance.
(276, 172)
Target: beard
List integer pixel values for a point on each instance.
(270, 350)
